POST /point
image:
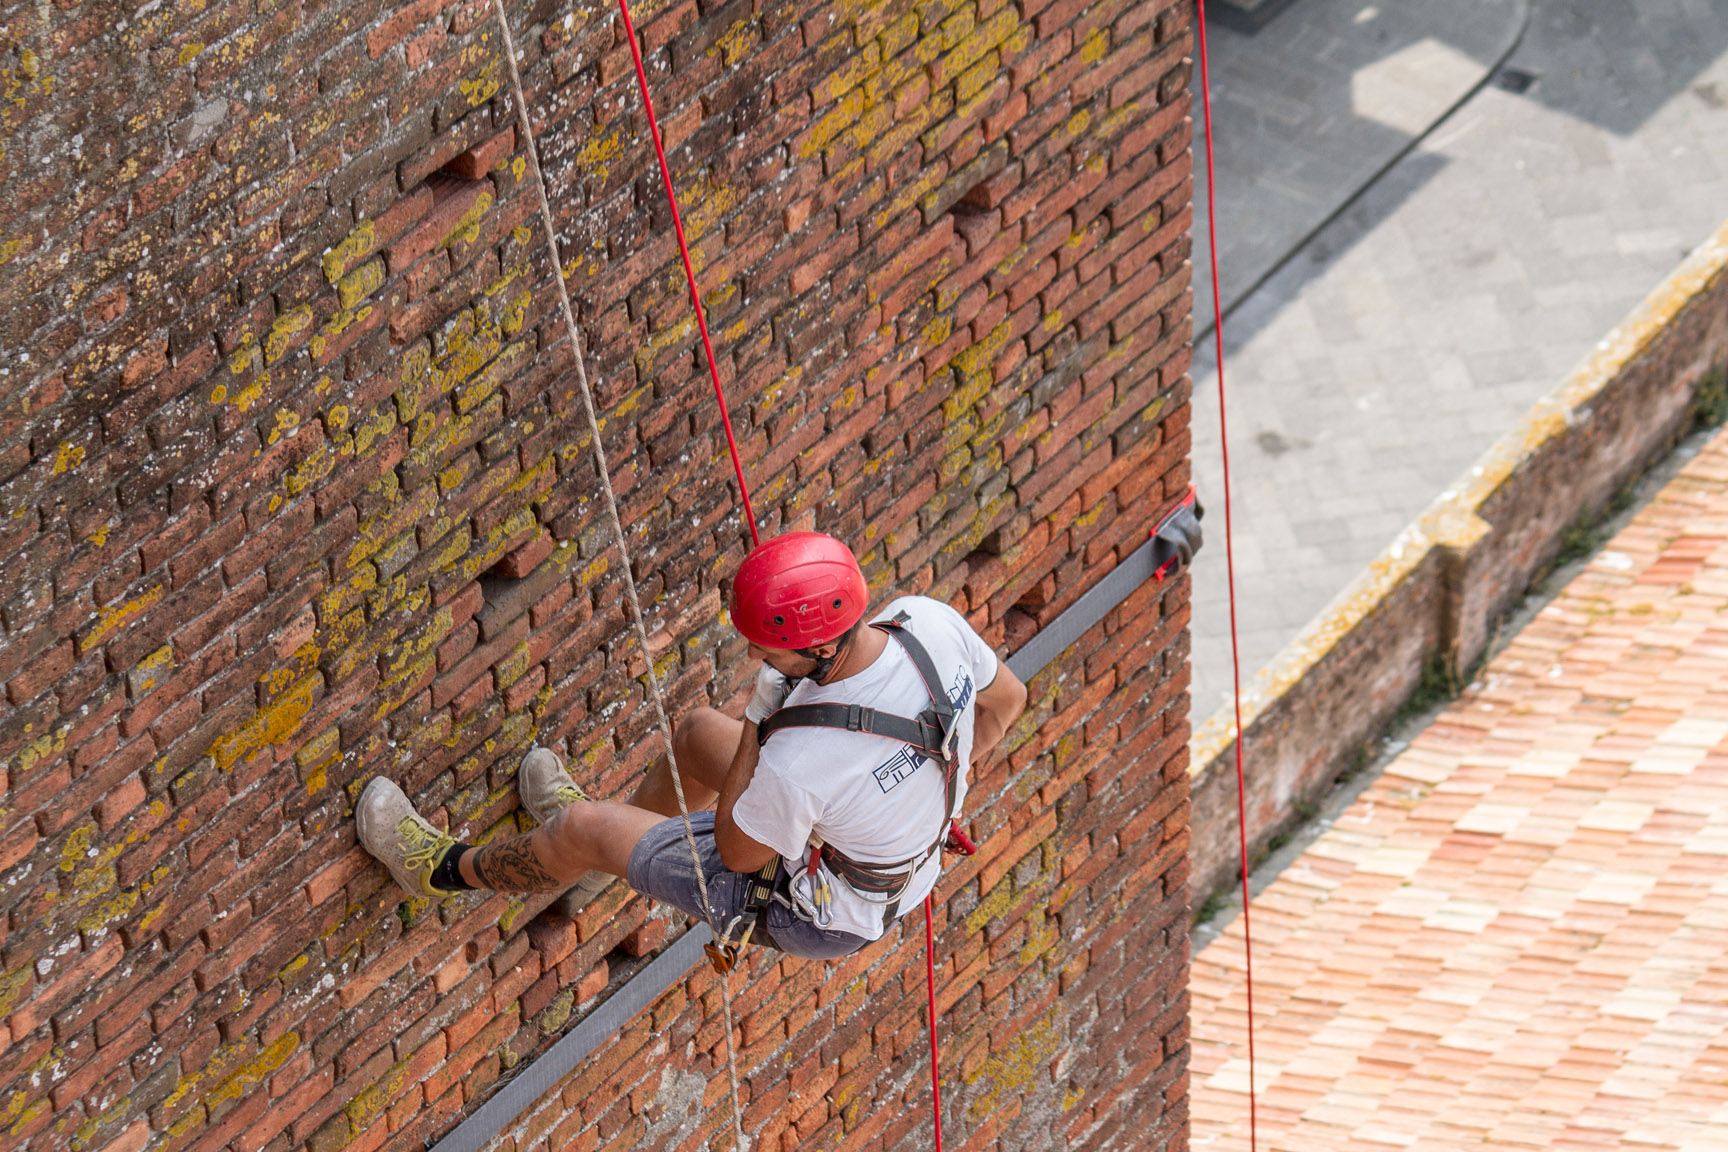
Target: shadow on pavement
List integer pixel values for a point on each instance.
(1614, 63)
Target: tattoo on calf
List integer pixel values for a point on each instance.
(511, 866)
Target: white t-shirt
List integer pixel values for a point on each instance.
(875, 799)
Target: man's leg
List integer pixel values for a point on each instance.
(704, 742)
(577, 840)
(426, 862)
(586, 836)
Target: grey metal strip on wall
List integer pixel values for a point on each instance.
(578, 1044)
(672, 965)
(1081, 615)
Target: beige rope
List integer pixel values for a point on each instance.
(655, 693)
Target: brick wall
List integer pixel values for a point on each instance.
(294, 492)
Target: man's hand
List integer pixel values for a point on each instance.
(771, 689)
(998, 707)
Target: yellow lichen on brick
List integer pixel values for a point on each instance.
(286, 424)
(86, 1132)
(28, 1113)
(152, 669)
(996, 903)
(11, 983)
(351, 248)
(253, 1072)
(1096, 45)
(482, 86)
(336, 325)
(519, 524)
(1015, 1069)
(111, 911)
(68, 457)
(865, 64)
(408, 653)
(360, 283)
(303, 661)
(112, 617)
(736, 42)
(596, 155)
(843, 115)
(221, 1062)
(286, 332)
(467, 227)
(270, 725)
(1041, 937)
(515, 316)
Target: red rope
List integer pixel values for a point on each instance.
(1229, 566)
(935, 1067)
(689, 270)
(744, 490)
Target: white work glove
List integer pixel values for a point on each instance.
(771, 689)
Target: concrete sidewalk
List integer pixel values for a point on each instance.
(1517, 937)
(1315, 105)
(1398, 343)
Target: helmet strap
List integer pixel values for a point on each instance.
(825, 664)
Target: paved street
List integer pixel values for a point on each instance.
(1517, 937)
(1395, 345)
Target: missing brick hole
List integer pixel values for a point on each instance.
(976, 202)
(975, 218)
(516, 583)
(496, 585)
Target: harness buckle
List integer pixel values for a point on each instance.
(939, 740)
(854, 718)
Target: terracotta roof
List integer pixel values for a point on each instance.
(1518, 936)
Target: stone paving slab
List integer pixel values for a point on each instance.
(1398, 345)
(1517, 937)
(1315, 103)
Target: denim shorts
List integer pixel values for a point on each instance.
(660, 867)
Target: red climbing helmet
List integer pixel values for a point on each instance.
(798, 590)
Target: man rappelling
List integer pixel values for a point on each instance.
(831, 800)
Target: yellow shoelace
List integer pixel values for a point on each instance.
(424, 847)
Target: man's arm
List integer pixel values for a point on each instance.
(998, 707)
(740, 852)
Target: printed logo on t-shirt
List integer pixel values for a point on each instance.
(961, 692)
(907, 760)
(903, 764)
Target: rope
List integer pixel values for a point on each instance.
(930, 983)
(665, 723)
(689, 270)
(1229, 566)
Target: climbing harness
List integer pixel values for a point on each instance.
(1229, 564)
(723, 952)
(933, 735)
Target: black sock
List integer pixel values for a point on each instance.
(448, 875)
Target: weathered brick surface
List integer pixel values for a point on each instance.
(295, 491)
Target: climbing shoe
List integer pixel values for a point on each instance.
(401, 839)
(545, 787)
(547, 790)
